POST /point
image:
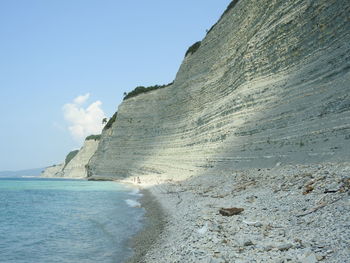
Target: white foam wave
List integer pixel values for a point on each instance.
(135, 192)
(132, 203)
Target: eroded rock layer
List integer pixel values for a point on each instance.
(268, 85)
(52, 171)
(76, 167)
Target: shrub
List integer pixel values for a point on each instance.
(229, 7)
(70, 156)
(93, 137)
(141, 89)
(192, 49)
(111, 121)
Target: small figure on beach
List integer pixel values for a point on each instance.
(138, 180)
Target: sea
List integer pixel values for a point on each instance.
(67, 221)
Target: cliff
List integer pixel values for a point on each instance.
(268, 85)
(74, 167)
(77, 166)
(52, 171)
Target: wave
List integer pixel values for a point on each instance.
(132, 203)
(135, 192)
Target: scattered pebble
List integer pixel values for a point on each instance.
(276, 226)
(311, 258)
(284, 247)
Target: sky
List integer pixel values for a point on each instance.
(65, 64)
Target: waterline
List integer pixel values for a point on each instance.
(45, 220)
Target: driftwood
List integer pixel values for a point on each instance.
(314, 209)
(230, 211)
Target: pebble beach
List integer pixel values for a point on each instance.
(290, 213)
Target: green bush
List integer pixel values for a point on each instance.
(111, 121)
(141, 89)
(229, 7)
(93, 137)
(70, 156)
(193, 48)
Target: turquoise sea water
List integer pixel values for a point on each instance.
(53, 220)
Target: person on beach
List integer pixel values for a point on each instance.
(138, 180)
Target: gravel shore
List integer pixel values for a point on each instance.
(154, 225)
(293, 213)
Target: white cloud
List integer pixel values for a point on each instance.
(81, 99)
(83, 121)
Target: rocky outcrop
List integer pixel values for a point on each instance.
(52, 171)
(76, 167)
(268, 85)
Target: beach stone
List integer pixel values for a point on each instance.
(334, 187)
(203, 229)
(320, 257)
(345, 184)
(268, 248)
(310, 258)
(230, 211)
(284, 247)
(248, 243)
(216, 260)
(256, 224)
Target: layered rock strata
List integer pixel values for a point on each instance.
(269, 84)
(52, 171)
(75, 168)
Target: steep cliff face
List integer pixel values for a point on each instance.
(76, 167)
(269, 84)
(52, 171)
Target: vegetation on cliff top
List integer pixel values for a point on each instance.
(229, 7)
(138, 90)
(70, 156)
(141, 89)
(111, 121)
(192, 49)
(93, 137)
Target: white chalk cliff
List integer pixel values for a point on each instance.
(52, 171)
(76, 167)
(269, 84)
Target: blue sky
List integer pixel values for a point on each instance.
(53, 51)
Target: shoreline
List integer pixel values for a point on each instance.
(291, 213)
(154, 221)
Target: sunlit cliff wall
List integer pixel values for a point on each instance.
(76, 167)
(269, 84)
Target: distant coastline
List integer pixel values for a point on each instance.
(23, 173)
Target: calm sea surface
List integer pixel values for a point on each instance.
(52, 220)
